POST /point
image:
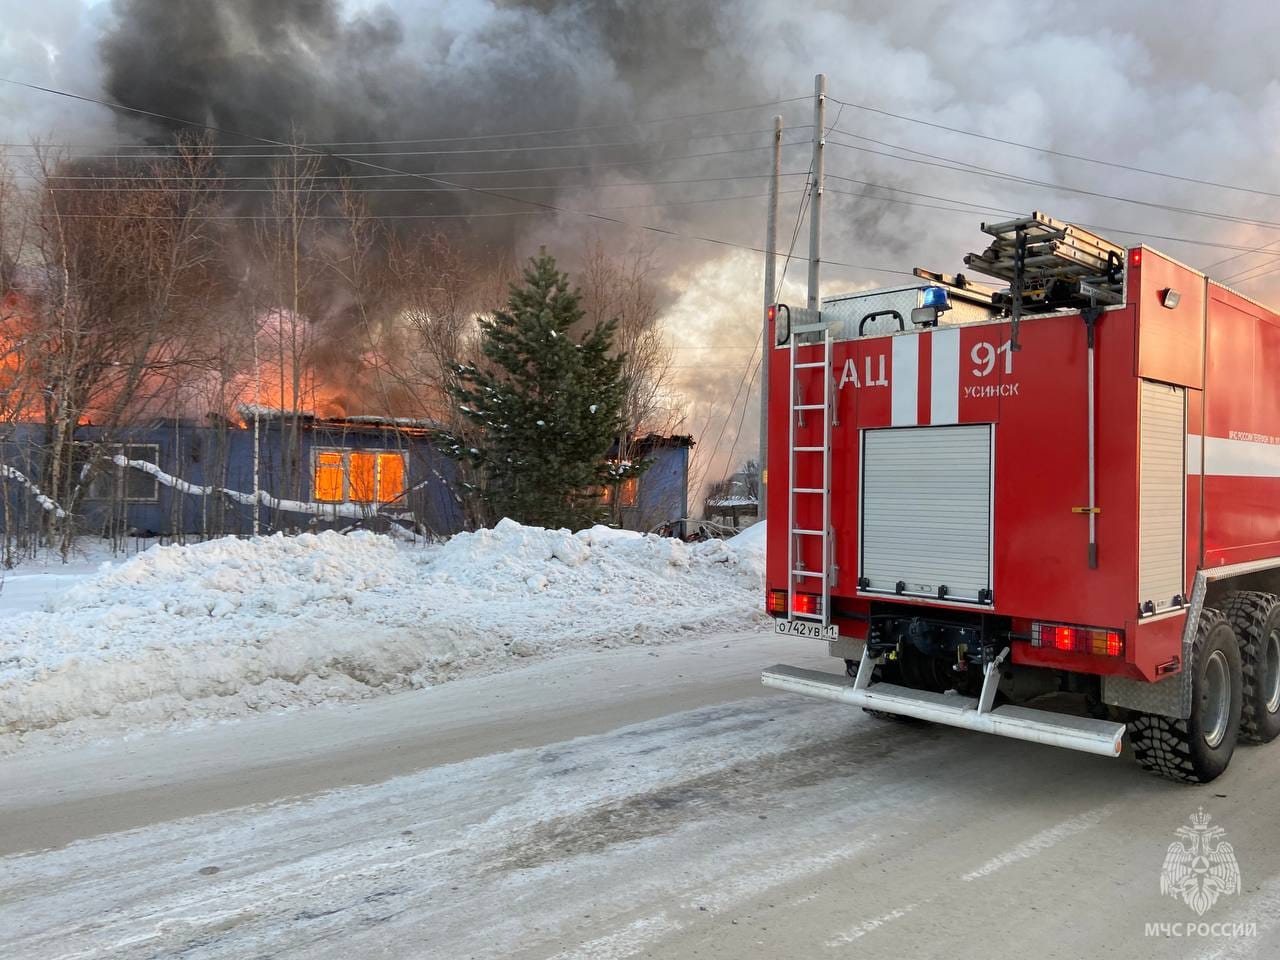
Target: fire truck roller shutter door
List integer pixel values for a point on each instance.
(926, 511)
(1162, 497)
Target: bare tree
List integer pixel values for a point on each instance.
(622, 287)
(285, 267)
(119, 277)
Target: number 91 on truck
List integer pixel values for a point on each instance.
(984, 496)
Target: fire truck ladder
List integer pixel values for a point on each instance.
(795, 556)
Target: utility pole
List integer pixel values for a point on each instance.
(770, 296)
(257, 413)
(815, 195)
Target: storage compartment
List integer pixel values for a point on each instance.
(1162, 473)
(926, 512)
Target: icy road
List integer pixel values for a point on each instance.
(618, 803)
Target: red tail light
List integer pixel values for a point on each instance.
(777, 601)
(809, 604)
(1135, 257)
(1092, 640)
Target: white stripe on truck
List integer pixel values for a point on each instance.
(904, 405)
(944, 381)
(1234, 457)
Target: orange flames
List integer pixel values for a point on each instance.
(16, 401)
(327, 385)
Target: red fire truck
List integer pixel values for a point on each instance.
(1067, 482)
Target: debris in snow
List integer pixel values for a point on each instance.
(230, 626)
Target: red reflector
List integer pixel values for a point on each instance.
(808, 603)
(777, 601)
(1135, 257)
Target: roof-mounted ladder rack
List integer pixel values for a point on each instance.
(1050, 264)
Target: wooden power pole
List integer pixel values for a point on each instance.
(770, 296)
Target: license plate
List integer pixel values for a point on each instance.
(811, 631)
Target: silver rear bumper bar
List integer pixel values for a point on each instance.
(1100, 737)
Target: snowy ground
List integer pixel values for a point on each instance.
(598, 799)
(611, 803)
(231, 627)
(28, 586)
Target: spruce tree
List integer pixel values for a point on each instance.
(545, 408)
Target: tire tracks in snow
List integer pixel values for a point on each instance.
(635, 817)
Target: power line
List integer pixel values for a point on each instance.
(755, 347)
(520, 133)
(401, 216)
(975, 170)
(217, 187)
(1010, 212)
(647, 227)
(1263, 268)
(650, 228)
(795, 234)
(202, 151)
(1261, 249)
(595, 185)
(1058, 153)
(391, 172)
(715, 346)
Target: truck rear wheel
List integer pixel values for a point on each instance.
(1256, 619)
(1198, 749)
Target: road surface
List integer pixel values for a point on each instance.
(645, 802)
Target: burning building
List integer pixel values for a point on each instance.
(188, 478)
(180, 477)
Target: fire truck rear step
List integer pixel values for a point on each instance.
(1100, 737)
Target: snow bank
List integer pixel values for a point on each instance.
(232, 626)
(751, 540)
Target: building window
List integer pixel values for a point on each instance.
(329, 476)
(112, 481)
(358, 476)
(628, 492)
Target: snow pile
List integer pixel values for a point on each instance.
(231, 626)
(750, 542)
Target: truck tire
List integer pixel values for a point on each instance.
(1256, 619)
(1198, 749)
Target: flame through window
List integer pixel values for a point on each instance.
(628, 492)
(358, 476)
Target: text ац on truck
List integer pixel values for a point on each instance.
(1066, 482)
